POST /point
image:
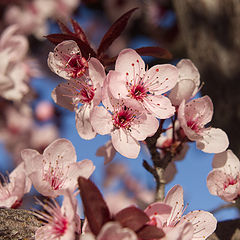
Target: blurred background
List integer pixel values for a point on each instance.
(205, 31)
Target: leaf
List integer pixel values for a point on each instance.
(114, 31)
(64, 28)
(95, 208)
(86, 50)
(132, 217)
(157, 52)
(150, 232)
(79, 31)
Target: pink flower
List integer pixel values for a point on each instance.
(193, 117)
(80, 94)
(67, 61)
(11, 192)
(168, 216)
(127, 123)
(188, 82)
(56, 169)
(224, 179)
(130, 80)
(59, 223)
(110, 231)
(13, 69)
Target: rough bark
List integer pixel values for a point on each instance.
(17, 224)
(211, 35)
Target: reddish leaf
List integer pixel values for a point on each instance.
(132, 218)
(79, 31)
(114, 31)
(86, 50)
(154, 52)
(64, 28)
(150, 232)
(95, 208)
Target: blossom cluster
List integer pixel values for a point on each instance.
(130, 102)
(133, 99)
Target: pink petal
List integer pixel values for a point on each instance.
(182, 231)
(162, 78)
(61, 150)
(187, 70)
(227, 161)
(83, 124)
(161, 211)
(182, 91)
(159, 106)
(117, 84)
(125, 144)
(96, 71)
(214, 140)
(145, 129)
(129, 62)
(83, 168)
(57, 60)
(174, 199)
(200, 109)
(32, 160)
(41, 186)
(113, 230)
(63, 96)
(101, 120)
(204, 223)
(18, 172)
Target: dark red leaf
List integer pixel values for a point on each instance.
(95, 208)
(157, 52)
(79, 31)
(150, 232)
(64, 28)
(86, 50)
(132, 217)
(114, 31)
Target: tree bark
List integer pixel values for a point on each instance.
(211, 35)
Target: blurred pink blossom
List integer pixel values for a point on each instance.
(11, 192)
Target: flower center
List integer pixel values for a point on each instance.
(193, 125)
(54, 174)
(123, 118)
(138, 92)
(76, 66)
(230, 181)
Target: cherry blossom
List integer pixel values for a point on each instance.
(67, 61)
(127, 123)
(169, 217)
(14, 72)
(188, 82)
(12, 191)
(80, 94)
(110, 231)
(224, 179)
(193, 117)
(56, 169)
(130, 80)
(59, 222)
